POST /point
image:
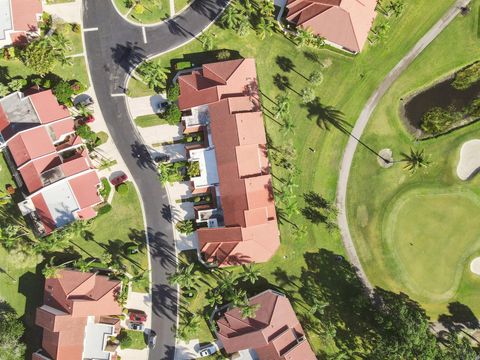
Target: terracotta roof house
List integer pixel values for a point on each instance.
(76, 316)
(19, 20)
(239, 223)
(49, 162)
(274, 333)
(344, 23)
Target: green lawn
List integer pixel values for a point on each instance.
(389, 209)
(154, 11)
(121, 6)
(348, 83)
(180, 4)
(136, 339)
(149, 120)
(76, 41)
(5, 175)
(137, 88)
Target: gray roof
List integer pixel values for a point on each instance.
(5, 18)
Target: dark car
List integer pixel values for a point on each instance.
(119, 179)
(162, 107)
(161, 158)
(136, 326)
(83, 100)
(152, 339)
(137, 315)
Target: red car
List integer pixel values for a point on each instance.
(119, 179)
(137, 316)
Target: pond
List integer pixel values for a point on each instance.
(441, 95)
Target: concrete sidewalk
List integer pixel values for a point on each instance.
(70, 12)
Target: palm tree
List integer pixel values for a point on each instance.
(214, 297)
(249, 310)
(250, 273)
(243, 26)
(264, 28)
(267, 8)
(318, 307)
(397, 7)
(288, 125)
(207, 41)
(380, 32)
(188, 326)
(84, 111)
(9, 235)
(153, 74)
(51, 271)
(415, 160)
(83, 265)
(231, 17)
(184, 277)
(282, 106)
(228, 282)
(304, 37)
(60, 43)
(238, 297)
(315, 77)
(291, 208)
(106, 258)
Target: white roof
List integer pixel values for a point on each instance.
(96, 337)
(60, 202)
(208, 167)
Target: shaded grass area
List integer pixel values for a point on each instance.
(10, 69)
(180, 4)
(136, 88)
(136, 339)
(5, 175)
(348, 82)
(443, 237)
(154, 11)
(76, 40)
(149, 120)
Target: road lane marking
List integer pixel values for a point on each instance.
(90, 29)
(144, 34)
(117, 95)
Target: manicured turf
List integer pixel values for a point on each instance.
(121, 6)
(5, 175)
(154, 12)
(137, 338)
(348, 82)
(440, 227)
(149, 120)
(181, 4)
(76, 41)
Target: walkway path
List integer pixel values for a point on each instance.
(114, 47)
(362, 123)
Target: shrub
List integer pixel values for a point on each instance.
(189, 139)
(173, 115)
(86, 133)
(198, 138)
(467, 77)
(75, 27)
(63, 92)
(139, 9)
(104, 209)
(125, 340)
(106, 188)
(185, 227)
(197, 199)
(193, 169)
(172, 92)
(438, 120)
(122, 189)
(207, 198)
(78, 87)
(223, 55)
(46, 84)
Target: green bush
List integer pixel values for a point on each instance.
(122, 189)
(63, 92)
(106, 188)
(185, 227)
(467, 77)
(198, 138)
(104, 209)
(173, 115)
(86, 133)
(193, 169)
(189, 139)
(197, 199)
(75, 27)
(173, 91)
(78, 87)
(125, 339)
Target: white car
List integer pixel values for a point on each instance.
(207, 350)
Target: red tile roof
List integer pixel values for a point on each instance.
(343, 22)
(274, 333)
(24, 14)
(43, 212)
(47, 107)
(84, 188)
(31, 171)
(30, 144)
(69, 299)
(238, 135)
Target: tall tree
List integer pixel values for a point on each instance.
(185, 277)
(288, 125)
(264, 28)
(282, 106)
(153, 74)
(11, 332)
(250, 273)
(307, 94)
(415, 160)
(396, 7)
(188, 326)
(304, 37)
(249, 310)
(214, 297)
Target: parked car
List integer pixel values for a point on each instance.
(119, 179)
(162, 107)
(138, 326)
(152, 339)
(161, 158)
(83, 100)
(207, 350)
(137, 316)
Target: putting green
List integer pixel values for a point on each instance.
(430, 235)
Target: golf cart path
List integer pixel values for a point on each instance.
(361, 123)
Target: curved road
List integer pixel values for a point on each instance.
(362, 123)
(114, 47)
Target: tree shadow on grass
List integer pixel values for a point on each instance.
(460, 316)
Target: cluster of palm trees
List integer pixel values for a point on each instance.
(392, 7)
(244, 15)
(305, 37)
(225, 287)
(153, 75)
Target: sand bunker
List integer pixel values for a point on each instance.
(469, 159)
(475, 266)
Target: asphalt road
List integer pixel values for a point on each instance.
(113, 50)
(362, 121)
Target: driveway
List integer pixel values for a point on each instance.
(145, 105)
(114, 47)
